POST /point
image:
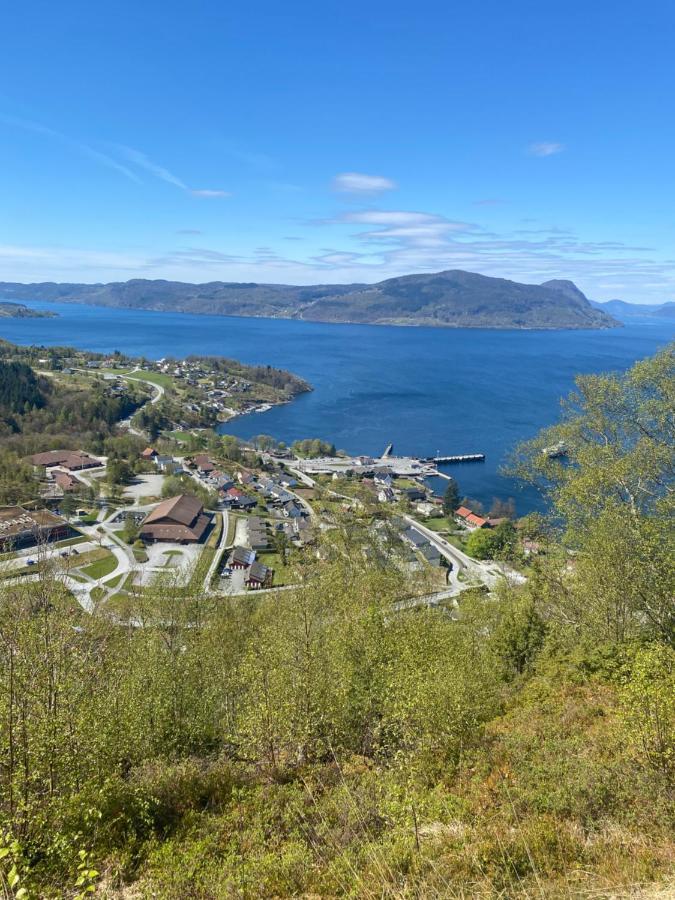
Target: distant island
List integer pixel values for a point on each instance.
(451, 299)
(19, 311)
(620, 309)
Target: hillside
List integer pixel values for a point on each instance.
(448, 299)
(623, 310)
(19, 311)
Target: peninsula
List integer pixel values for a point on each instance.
(450, 299)
(19, 311)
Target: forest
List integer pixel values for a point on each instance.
(327, 741)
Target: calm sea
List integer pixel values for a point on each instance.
(426, 390)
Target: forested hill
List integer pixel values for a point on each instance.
(449, 299)
(19, 311)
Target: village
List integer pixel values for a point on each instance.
(231, 528)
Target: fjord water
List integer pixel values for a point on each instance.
(428, 390)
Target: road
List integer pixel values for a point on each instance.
(156, 397)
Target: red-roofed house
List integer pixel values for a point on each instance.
(464, 515)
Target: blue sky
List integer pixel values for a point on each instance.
(339, 141)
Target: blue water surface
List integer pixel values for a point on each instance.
(427, 390)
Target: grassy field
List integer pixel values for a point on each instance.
(282, 574)
(231, 530)
(159, 378)
(439, 524)
(80, 539)
(113, 582)
(102, 567)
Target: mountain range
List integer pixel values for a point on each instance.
(451, 299)
(620, 309)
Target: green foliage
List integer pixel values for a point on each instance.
(184, 484)
(451, 497)
(312, 448)
(492, 543)
(328, 740)
(20, 388)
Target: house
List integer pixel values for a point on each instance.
(180, 519)
(204, 463)
(257, 533)
(383, 477)
(164, 463)
(241, 558)
(386, 495)
(431, 554)
(65, 480)
(245, 478)
(22, 528)
(413, 537)
(149, 453)
(413, 494)
(464, 515)
(292, 510)
(426, 508)
(259, 576)
(281, 496)
(74, 460)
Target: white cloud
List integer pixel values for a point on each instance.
(207, 192)
(398, 226)
(545, 148)
(357, 183)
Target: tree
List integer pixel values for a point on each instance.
(613, 496)
(118, 472)
(451, 497)
(503, 509)
(492, 543)
(68, 505)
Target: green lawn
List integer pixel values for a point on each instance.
(113, 582)
(101, 567)
(182, 437)
(282, 574)
(231, 530)
(89, 519)
(80, 539)
(438, 524)
(165, 381)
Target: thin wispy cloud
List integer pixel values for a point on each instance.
(158, 171)
(208, 192)
(77, 146)
(545, 148)
(143, 162)
(357, 183)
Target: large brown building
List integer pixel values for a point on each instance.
(67, 459)
(180, 519)
(20, 527)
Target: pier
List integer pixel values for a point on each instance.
(466, 457)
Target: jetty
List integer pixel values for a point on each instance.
(461, 458)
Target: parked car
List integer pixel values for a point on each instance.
(30, 562)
